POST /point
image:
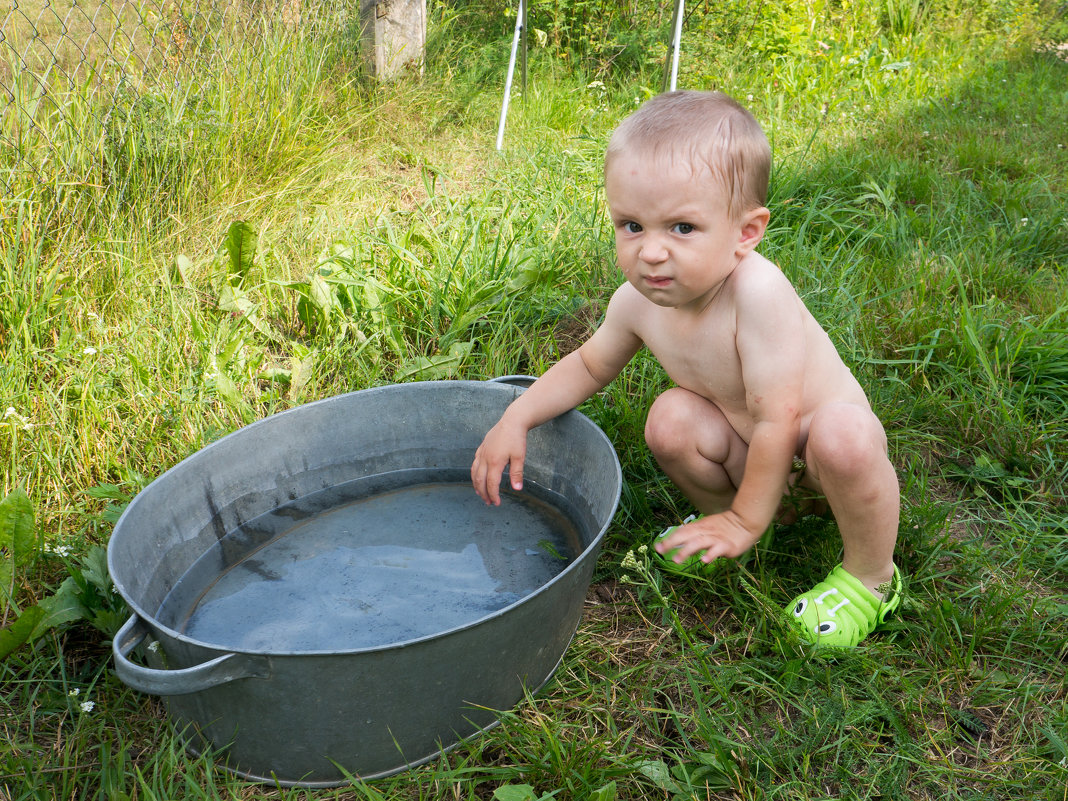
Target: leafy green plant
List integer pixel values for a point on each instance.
(424, 289)
(520, 792)
(86, 594)
(524, 792)
(18, 547)
(904, 17)
(607, 39)
(703, 772)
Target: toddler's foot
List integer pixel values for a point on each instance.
(691, 566)
(840, 611)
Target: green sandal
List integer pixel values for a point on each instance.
(691, 566)
(839, 612)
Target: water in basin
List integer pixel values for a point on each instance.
(340, 573)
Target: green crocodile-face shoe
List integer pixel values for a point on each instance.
(840, 612)
(691, 566)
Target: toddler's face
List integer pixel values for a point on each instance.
(674, 241)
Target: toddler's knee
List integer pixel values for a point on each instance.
(848, 440)
(669, 424)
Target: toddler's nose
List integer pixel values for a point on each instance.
(652, 251)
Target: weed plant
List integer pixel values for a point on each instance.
(337, 235)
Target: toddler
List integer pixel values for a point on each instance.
(759, 387)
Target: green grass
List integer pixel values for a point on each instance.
(918, 204)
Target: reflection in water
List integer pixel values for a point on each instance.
(384, 569)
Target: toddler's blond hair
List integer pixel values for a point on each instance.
(706, 128)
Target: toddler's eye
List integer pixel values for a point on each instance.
(632, 227)
(684, 228)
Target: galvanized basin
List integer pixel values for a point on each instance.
(322, 595)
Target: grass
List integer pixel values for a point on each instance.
(918, 205)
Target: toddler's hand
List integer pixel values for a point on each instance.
(718, 535)
(504, 446)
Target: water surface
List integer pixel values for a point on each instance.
(344, 573)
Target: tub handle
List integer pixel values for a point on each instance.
(222, 669)
(523, 381)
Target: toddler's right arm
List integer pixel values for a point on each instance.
(565, 385)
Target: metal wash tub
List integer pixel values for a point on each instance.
(303, 644)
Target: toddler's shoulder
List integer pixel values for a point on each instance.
(756, 265)
(627, 298)
(759, 277)
(625, 307)
(764, 296)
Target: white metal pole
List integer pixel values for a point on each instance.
(521, 13)
(676, 42)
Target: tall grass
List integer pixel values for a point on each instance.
(918, 204)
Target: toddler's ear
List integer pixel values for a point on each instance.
(751, 230)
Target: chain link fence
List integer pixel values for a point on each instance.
(76, 75)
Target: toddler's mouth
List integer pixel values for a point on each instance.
(657, 281)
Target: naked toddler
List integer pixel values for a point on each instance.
(758, 383)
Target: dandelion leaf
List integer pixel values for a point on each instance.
(433, 368)
(515, 792)
(16, 527)
(606, 793)
(241, 248)
(659, 774)
(64, 606)
(20, 631)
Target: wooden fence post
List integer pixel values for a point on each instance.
(394, 35)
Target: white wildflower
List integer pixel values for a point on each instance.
(87, 706)
(629, 562)
(154, 646)
(14, 419)
(90, 351)
(74, 693)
